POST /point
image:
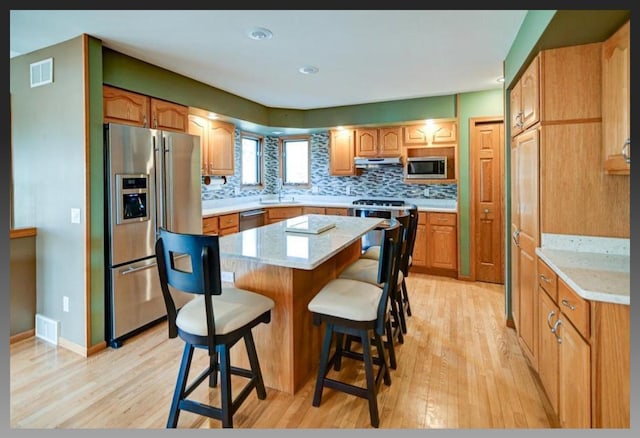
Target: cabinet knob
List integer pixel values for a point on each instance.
(544, 278)
(554, 330)
(568, 304)
(551, 314)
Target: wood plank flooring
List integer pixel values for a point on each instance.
(459, 367)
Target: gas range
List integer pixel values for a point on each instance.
(380, 202)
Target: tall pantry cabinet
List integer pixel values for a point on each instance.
(559, 186)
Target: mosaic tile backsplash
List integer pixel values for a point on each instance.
(385, 182)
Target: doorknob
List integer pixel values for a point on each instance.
(486, 211)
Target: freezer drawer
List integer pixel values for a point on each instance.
(136, 297)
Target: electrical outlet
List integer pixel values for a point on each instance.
(426, 192)
(227, 276)
(348, 190)
(314, 190)
(75, 215)
(237, 191)
(65, 304)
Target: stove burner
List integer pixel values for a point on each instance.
(379, 202)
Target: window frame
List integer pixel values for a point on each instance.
(260, 159)
(282, 161)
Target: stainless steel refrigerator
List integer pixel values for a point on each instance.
(152, 180)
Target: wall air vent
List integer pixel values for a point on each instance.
(47, 329)
(42, 72)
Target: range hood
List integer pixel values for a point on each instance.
(372, 163)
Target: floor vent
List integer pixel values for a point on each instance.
(47, 329)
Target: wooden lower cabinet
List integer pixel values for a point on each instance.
(583, 355)
(574, 378)
(313, 210)
(436, 247)
(221, 225)
(210, 225)
(278, 214)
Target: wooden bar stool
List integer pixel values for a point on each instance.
(215, 320)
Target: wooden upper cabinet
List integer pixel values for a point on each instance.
(221, 147)
(378, 142)
(127, 107)
(438, 133)
(200, 127)
(341, 152)
(169, 116)
(530, 94)
(121, 106)
(616, 135)
(525, 99)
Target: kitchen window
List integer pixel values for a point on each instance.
(295, 160)
(251, 159)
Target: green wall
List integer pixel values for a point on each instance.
(123, 71)
(477, 104)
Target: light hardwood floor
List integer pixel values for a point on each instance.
(460, 367)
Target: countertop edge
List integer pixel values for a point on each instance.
(586, 294)
(239, 208)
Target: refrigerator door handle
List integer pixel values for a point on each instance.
(168, 194)
(132, 269)
(160, 187)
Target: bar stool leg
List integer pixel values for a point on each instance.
(225, 386)
(371, 383)
(322, 370)
(181, 383)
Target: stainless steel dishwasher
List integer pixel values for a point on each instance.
(251, 219)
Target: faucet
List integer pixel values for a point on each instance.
(279, 188)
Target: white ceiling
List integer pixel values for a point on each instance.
(363, 56)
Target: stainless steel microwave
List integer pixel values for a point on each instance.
(426, 168)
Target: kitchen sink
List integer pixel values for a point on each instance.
(279, 201)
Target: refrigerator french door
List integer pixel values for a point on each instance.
(152, 180)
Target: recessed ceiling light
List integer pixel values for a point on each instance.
(500, 79)
(259, 33)
(277, 132)
(308, 70)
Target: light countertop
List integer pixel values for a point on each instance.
(273, 245)
(597, 276)
(240, 204)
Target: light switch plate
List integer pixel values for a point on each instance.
(75, 215)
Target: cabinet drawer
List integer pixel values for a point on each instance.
(548, 280)
(442, 219)
(210, 225)
(229, 220)
(284, 212)
(337, 211)
(422, 218)
(312, 210)
(574, 307)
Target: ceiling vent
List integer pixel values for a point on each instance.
(42, 72)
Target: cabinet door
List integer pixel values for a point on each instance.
(415, 135)
(199, 126)
(120, 106)
(515, 99)
(169, 116)
(616, 100)
(210, 225)
(313, 210)
(548, 347)
(366, 143)
(442, 249)
(574, 378)
(530, 90)
(221, 147)
(444, 132)
(341, 153)
(419, 255)
(525, 187)
(389, 142)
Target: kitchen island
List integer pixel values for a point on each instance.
(290, 268)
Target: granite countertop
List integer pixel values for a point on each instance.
(593, 271)
(236, 205)
(273, 245)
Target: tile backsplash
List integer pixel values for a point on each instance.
(384, 182)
